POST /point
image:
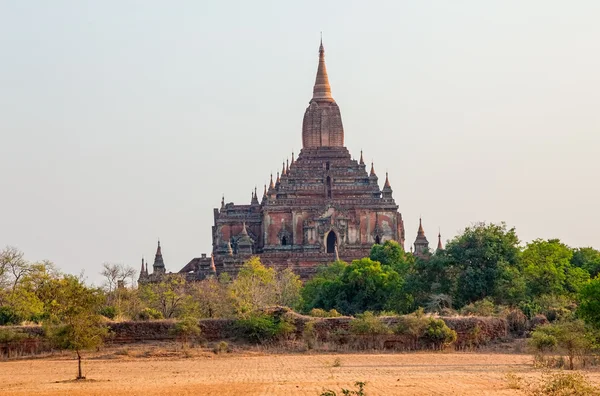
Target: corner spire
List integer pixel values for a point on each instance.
(271, 185)
(439, 245)
(322, 90)
(387, 181)
(362, 162)
(372, 169)
(291, 163)
(420, 232)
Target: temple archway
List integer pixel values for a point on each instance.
(331, 242)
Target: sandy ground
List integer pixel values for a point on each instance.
(293, 374)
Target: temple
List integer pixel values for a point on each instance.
(323, 205)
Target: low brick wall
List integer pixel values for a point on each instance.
(471, 331)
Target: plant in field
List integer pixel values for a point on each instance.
(261, 328)
(563, 384)
(439, 334)
(347, 392)
(187, 329)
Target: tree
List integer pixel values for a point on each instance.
(12, 267)
(392, 254)
(287, 288)
(169, 296)
(587, 258)
(480, 254)
(547, 269)
(364, 285)
(75, 323)
(212, 297)
(589, 303)
(254, 288)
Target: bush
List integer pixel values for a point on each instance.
(321, 313)
(109, 311)
(563, 384)
(368, 324)
(8, 316)
(10, 335)
(571, 338)
(221, 347)
(412, 326)
(359, 392)
(187, 329)
(439, 334)
(149, 314)
(517, 322)
(260, 328)
(309, 335)
(483, 307)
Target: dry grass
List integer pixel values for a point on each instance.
(161, 369)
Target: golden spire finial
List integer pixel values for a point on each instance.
(322, 90)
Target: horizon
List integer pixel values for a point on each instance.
(120, 134)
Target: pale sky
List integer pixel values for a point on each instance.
(124, 121)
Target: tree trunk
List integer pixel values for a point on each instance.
(79, 375)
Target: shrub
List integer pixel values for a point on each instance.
(321, 313)
(570, 337)
(109, 311)
(483, 307)
(10, 335)
(412, 326)
(149, 314)
(346, 392)
(368, 324)
(517, 322)
(221, 347)
(187, 329)
(260, 328)
(309, 335)
(8, 316)
(439, 334)
(563, 384)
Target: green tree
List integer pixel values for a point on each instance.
(323, 290)
(254, 287)
(74, 321)
(392, 254)
(589, 302)
(587, 258)
(212, 297)
(547, 269)
(481, 254)
(169, 296)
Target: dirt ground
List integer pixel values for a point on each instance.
(127, 372)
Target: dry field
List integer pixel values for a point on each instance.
(130, 372)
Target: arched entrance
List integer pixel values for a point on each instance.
(378, 240)
(331, 242)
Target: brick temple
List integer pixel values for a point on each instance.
(323, 206)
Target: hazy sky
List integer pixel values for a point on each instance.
(125, 121)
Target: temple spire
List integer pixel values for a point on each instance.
(387, 181)
(362, 162)
(287, 166)
(322, 90)
(439, 246)
(213, 268)
(372, 169)
(420, 232)
(282, 169)
(292, 158)
(278, 180)
(271, 185)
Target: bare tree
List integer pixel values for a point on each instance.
(125, 272)
(111, 274)
(12, 267)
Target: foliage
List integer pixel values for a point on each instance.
(483, 307)
(169, 296)
(517, 321)
(547, 269)
(589, 303)
(368, 324)
(439, 334)
(481, 253)
(413, 326)
(288, 289)
(361, 286)
(254, 288)
(393, 255)
(149, 314)
(212, 298)
(571, 338)
(75, 323)
(221, 347)
(347, 392)
(187, 329)
(563, 384)
(588, 259)
(261, 328)
(321, 313)
(109, 311)
(309, 334)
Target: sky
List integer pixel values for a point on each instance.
(122, 122)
